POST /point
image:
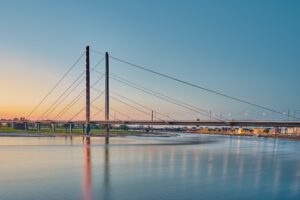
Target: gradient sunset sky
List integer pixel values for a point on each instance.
(247, 49)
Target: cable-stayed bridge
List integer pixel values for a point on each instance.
(52, 115)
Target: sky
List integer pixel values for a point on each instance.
(247, 49)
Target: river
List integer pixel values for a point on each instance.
(136, 168)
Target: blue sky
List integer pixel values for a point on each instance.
(248, 49)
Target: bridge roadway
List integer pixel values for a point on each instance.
(239, 123)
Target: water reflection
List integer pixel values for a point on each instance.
(87, 185)
(106, 191)
(129, 170)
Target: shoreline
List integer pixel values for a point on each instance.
(138, 134)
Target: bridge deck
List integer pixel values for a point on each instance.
(178, 123)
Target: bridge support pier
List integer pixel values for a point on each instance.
(66, 128)
(152, 121)
(38, 127)
(70, 128)
(25, 126)
(52, 127)
(83, 129)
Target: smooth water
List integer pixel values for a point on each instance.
(133, 168)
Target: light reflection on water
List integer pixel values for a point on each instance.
(87, 193)
(193, 167)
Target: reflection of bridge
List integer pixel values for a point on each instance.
(87, 182)
(48, 119)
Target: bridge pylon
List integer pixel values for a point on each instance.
(106, 94)
(87, 91)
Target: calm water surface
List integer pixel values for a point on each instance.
(185, 167)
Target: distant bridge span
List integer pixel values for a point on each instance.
(238, 123)
(210, 123)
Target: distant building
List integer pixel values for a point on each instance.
(204, 130)
(243, 131)
(293, 130)
(276, 130)
(283, 131)
(261, 130)
(3, 124)
(258, 130)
